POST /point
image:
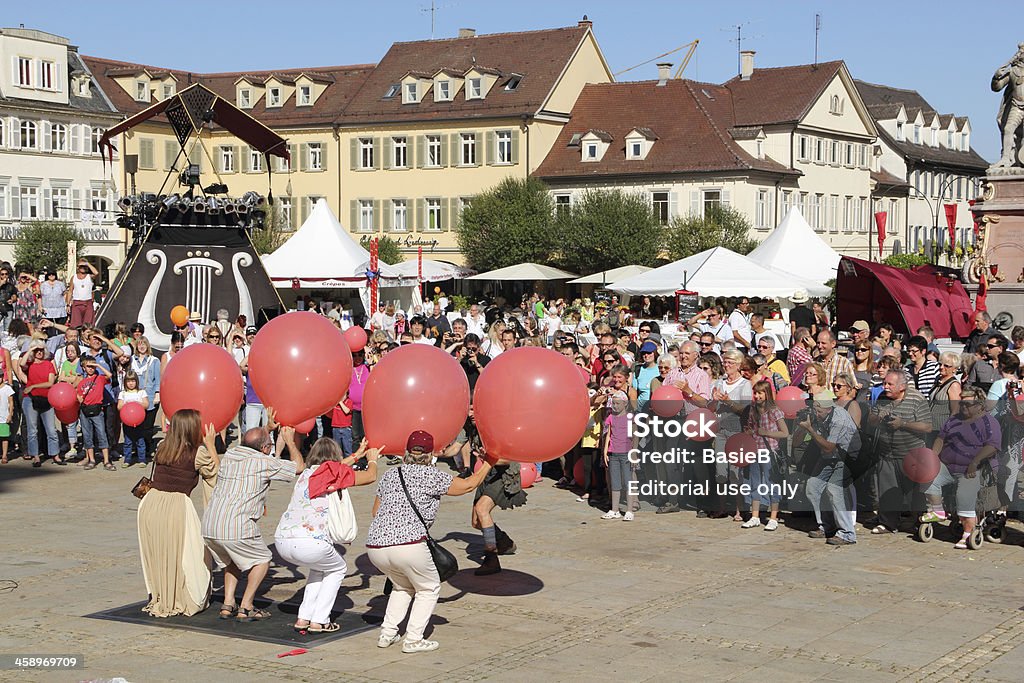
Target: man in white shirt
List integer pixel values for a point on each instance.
(475, 321)
(377, 319)
(194, 330)
(713, 324)
(758, 330)
(739, 321)
(416, 329)
(443, 303)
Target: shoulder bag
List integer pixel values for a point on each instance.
(142, 486)
(444, 561)
(342, 526)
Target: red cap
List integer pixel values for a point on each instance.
(420, 441)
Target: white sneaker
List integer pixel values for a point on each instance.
(384, 641)
(414, 646)
(628, 517)
(772, 525)
(751, 523)
(611, 514)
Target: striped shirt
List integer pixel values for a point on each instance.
(238, 499)
(835, 366)
(926, 378)
(796, 362)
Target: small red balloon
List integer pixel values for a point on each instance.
(527, 475)
(206, 378)
(578, 476)
(666, 401)
(306, 426)
(790, 401)
(530, 405)
(69, 416)
(741, 449)
(132, 414)
(356, 338)
(62, 396)
(703, 424)
(921, 465)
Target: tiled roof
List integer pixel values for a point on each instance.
(942, 156)
(690, 119)
(780, 94)
(873, 93)
(96, 103)
(883, 112)
(342, 82)
(538, 56)
(745, 132)
(885, 181)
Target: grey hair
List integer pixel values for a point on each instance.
(951, 357)
(900, 374)
(691, 345)
(768, 339)
(418, 458)
(667, 359)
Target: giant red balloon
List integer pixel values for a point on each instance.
(300, 365)
(698, 417)
(206, 378)
(306, 426)
(132, 414)
(921, 465)
(416, 387)
(790, 401)
(530, 405)
(62, 396)
(69, 416)
(356, 338)
(666, 401)
(741, 449)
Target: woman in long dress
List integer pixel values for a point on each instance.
(174, 559)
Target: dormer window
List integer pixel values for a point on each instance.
(965, 142)
(274, 97)
(168, 90)
(475, 89)
(83, 87)
(513, 82)
(411, 93)
(245, 98)
(24, 72)
(141, 91)
(949, 139)
(590, 151)
(305, 96)
(760, 149)
(935, 137)
(636, 149)
(594, 144)
(443, 91)
(392, 90)
(638, 142)
(917, 134)
(46, 76)
(900, 135)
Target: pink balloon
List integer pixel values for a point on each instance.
(62, 396)
(300, 366)
(530, 405)
(790, 400)
(356, 338)
(132, 414)
(69, 416)
(921, 465)
(584, 374)
(527, 474)
(206, 378)
(666, 401)
(741, 449)
(706, 416)
(577, 474)
(416, 387)
(306, 426)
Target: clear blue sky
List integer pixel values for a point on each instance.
(946, 50)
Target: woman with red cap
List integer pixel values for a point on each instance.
(396, 543)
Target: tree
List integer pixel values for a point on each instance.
(510, 223)
(267, 239)
(608, 229)
(905, 260)
(388, 250)
(44, 244)
(720, 226)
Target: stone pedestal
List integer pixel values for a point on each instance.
(1000, 215)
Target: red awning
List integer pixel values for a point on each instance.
(906, 299)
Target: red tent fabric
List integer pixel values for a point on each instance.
(906, 299)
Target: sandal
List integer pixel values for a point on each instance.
(57, 460)
(227, 611)
(737, 517)
(882, 529)
(302, 629)
(89, 465)
(253, 614)
(109, 466)
(329, 627)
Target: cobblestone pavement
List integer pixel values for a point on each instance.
(663, 598)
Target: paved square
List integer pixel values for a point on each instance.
(664, 598)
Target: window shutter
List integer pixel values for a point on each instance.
(444, 215)
(46, 210)
(323, 156)
(377, 217)
(388, 151)
(86, 133)
(244, 162)
(353, 154)
(455, 156)
(421, 206)
(515, 146)
(76, 203)
(477, 140)
(146, 154)
(695, 203)
(14, 70)
(353, 215)
(421, 146)
(293, 152)
(453, 214)
(444, 150)
(377, 153)
(387, 218)
(236, 153)
(304, 157)
(16, 201)
(490, 151)
(170, 154)
(44, 135)
(673, 205)
(15, 131)
(306, 203)
(725, 198)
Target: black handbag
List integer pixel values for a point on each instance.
(446, 564)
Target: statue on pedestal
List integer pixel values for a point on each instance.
(1010, 79)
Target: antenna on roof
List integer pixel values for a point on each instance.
(817, 30)
(433, 9)
(739, 42)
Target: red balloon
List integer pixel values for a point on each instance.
(702, 416)
(69, 416)
(1015, 416)
(578, 475)
(416, 387)
(921, 465)
(306, 426)
(741, 449)
(356, 338)
(584, 374)
(530, 405)
(300, 366)
(527, 474)
(132, 414)
(666, 401)
(790, 401)
(206, 378)
(62, 396)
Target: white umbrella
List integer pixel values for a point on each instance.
(607, 277)
(527, 272)
(433, 271)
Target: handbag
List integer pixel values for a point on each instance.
(342, 526)
(142, 486)
(446, 564)
(40, 403)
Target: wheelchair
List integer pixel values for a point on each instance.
(991, 524)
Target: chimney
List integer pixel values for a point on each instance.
(585, 22)
(746, 64)
(467, 33)
(664, 72)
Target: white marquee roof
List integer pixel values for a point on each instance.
(794, 248)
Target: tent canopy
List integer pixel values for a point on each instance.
(908, 299)
(433, 271)
(607, 277)
(795, 249)
(715, 272)
(527, 272)
(321, 253)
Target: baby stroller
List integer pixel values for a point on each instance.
(991, 523)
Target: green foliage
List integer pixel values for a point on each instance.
(720, 226)
(905, 260)
(272, 235)
(831, 305)
(44, 244)
(388, 250)
(608, 229)
(510, 223)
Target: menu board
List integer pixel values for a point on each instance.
(687, 305)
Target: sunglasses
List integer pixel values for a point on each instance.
(707, 343)
(860, 350)
(645, 329)
(213, 336)
(993, 346)
(837, 385)
(948, 365)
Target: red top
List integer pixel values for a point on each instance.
(330, 476)
(91, 389)
(339, 418)
(39, 373)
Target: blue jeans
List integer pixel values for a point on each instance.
(134, 442)
(760, 474)
(343, 435)
(834, 478)
(32, 422)
(94, 431)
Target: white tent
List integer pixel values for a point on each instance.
(715, 272)
(526, 272)
(433, 271)
(607, 277)
(795, 249)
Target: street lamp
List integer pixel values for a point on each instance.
(933, 206)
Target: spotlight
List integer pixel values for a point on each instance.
(199, 205)
(125, 203)
(228, 206)
(170, 201)
(251, 199)
(190, 176)
(213, 205)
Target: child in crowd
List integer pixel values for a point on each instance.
(6, 411)
(70, 371)
(90, 396)
(615, 447)
(341, 424)
(134, 437)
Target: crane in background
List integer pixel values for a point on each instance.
(682, 65)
